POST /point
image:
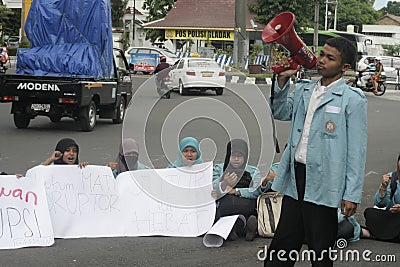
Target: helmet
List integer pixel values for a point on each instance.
(4, 49)
(163, 59)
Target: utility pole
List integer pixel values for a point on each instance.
(133, 11)
(316, 26)
(240, 33)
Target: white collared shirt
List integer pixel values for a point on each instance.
(316, 97)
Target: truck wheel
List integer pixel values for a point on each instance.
(120, 111)
(21, 121)
(88, 117)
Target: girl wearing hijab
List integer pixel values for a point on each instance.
(127, 158)
(66, 153)
(189, 153)
(384, 225)
(236, 185)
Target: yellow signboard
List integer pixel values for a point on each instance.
(194, 34)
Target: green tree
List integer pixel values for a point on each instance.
(118, 8)
(356, 12)
(158, 9)
(10, 19)
(392, 50)
(303, 10)
(392, 7)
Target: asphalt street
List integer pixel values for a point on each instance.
(21, 149)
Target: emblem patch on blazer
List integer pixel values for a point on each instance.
(330, 126)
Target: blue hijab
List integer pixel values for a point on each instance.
(185, 142)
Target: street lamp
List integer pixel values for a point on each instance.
(327, 13)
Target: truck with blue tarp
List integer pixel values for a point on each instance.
(71, 69)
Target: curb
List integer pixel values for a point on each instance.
(248, 80)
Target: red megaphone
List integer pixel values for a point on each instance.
(280, 30)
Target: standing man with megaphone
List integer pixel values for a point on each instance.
(322, 167)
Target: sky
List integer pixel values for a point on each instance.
(382, 3)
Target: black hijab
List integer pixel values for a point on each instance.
(62, 145)
(238, 146)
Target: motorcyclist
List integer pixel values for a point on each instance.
(379, 72)
(367, 72)
(161, 71)
(3, 58)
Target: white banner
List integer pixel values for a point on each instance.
(90, 202)
(24, 214)
(168, 202)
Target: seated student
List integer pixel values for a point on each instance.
(66, 152)
(189, 153)
(127, 158)
(236, 184)
(384, 224)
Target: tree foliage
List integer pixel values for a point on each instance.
(392, 50)
(356, 12)
(158, 9)
(118, 8)
(10, 19)
(303, 10)
(392, 7)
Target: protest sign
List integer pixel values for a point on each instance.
(90, 202)
(24, 215)
(169, 202)
(83, 202)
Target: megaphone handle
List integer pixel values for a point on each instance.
(292, 65)
(277, 149)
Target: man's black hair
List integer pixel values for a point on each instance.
(345, 47)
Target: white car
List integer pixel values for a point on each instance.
(198, 74)
(389, 64)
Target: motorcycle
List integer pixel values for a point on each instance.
(163, 84)
(3, 66)
(356, 82)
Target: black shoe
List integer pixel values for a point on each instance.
(232, 235)
(251, 228)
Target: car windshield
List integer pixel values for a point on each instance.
(193, 63)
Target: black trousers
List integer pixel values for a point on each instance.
(300, 222)
(231, 205)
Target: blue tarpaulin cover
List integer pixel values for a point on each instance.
(68, 38)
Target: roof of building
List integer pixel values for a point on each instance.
(203, 14)
(384, 18)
